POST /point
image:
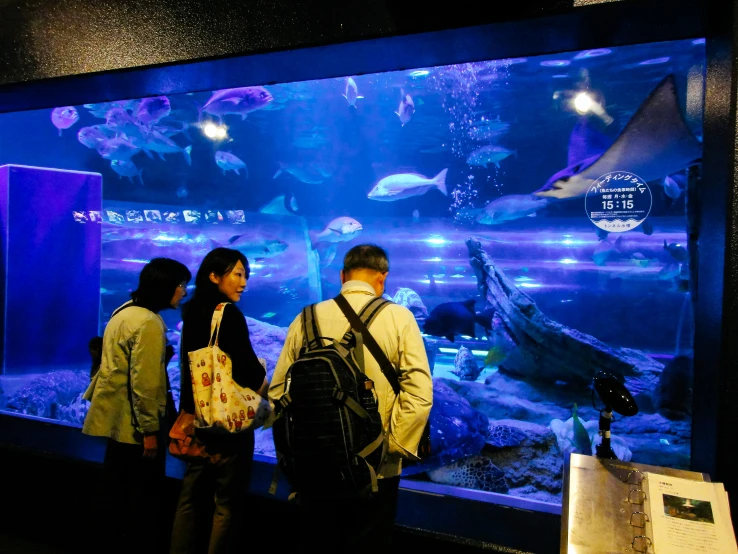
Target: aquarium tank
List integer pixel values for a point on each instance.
(536, 212)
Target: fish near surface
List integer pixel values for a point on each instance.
(237, 101)
(352, 92)
(341, 229)
(151, 110)
(654, 143)
(407, 185)
(406, 109)
(93, 135)
(230, 162)
(120, 121)
(510, 207)
(64, 118)
(450, 319)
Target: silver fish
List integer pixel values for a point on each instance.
(406, 185)
(352, 92)
(510, 207)
(230, 162)
(92, 136)
(341, 229)
(64, 118)
(238, 101)
(151, 110)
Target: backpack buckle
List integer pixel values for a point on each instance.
(338, 394)
(285, 400)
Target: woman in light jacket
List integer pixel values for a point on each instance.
(128, 401)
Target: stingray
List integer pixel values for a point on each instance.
(655, 143)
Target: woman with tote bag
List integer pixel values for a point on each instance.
(224, 477)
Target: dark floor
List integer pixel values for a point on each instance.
(48, 504)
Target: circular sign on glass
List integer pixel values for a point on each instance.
(618, 201)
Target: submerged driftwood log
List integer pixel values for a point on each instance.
(543, 349)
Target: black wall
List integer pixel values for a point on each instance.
(48, 38)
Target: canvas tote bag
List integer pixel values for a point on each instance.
(221, 404)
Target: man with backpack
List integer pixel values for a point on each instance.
(347, 419)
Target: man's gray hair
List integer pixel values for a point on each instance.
(366, 256)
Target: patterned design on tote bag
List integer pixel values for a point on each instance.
(220, 402)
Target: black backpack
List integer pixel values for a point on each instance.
(329, 436)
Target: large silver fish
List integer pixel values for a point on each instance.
(341, 229)
(238, 101)
(655, 143)
(406, 185)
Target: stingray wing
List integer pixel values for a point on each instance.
(656, 142)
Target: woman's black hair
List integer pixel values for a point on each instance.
(220, 261)
(158, 282)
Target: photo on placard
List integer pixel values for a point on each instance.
(114, 217)
(213, 216)
(236, 216)
(134, 216)
(171, 217)
(152, 215)
(688, 508)
(191, 216)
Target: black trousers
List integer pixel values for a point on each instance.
(213, 503)
(131, 493)
(327, 525)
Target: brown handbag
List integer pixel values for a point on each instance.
(183, 443)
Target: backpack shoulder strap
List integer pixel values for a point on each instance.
(372, 309)
(359, 326)
(310, 327)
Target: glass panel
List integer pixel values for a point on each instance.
(535, 212)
